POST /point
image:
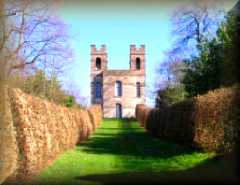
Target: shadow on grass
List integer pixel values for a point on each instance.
(217, 170)
(131, 140)
(136, 142)
(134, 147)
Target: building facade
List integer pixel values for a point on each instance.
(118, 91)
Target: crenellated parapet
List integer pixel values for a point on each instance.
(135, 50)
(101, 51)
(137, 58)
(117, 91)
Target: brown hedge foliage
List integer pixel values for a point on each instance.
(45, 130)
(217, 118)
(141, 113)
(209, 122)
(8, 146)
(171, 122)
(95, 114)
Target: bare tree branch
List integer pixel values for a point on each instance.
(31, 34)
(194, 24)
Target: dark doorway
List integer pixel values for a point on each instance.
(118, 110)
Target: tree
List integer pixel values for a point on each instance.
(33, 36)
(3, 16)
(217, 63)
(196, 32)
(34, 48)
(170, 71)
(70, 101)
(229, 33)
(72, 89)
(40, 85)
(194, 24)
(204, 72)
(170, 90)
(191, 65)
(169, 96)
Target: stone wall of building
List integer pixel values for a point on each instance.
(96, 74)
(128, 78)
(129, 98)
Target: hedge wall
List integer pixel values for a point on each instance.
(210, 122)
(8, 146)
(42, 131)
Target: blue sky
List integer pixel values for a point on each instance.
(117, 26)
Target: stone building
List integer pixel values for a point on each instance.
(118, 91)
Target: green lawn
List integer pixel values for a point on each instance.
(121, 152)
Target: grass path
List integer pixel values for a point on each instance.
(116, 150)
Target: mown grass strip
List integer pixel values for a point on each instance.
(119, 147)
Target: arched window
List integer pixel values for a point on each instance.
(98, 63)
(138, 89)
(118, 88)
(118, 110)
(98, 90)
(138, 63)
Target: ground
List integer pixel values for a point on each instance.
(120, 152)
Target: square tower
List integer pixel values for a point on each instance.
(98, 65)
(137, 58)
(118, 91)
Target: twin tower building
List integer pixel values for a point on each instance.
(118, 91)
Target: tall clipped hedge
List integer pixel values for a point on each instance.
(217, 119)
(40, 131)
(8, 146)
(210, 121)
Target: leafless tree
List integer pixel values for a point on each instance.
(2, 32)
(194, 24)
(170, 71)
(33, 36)
(72, 89)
